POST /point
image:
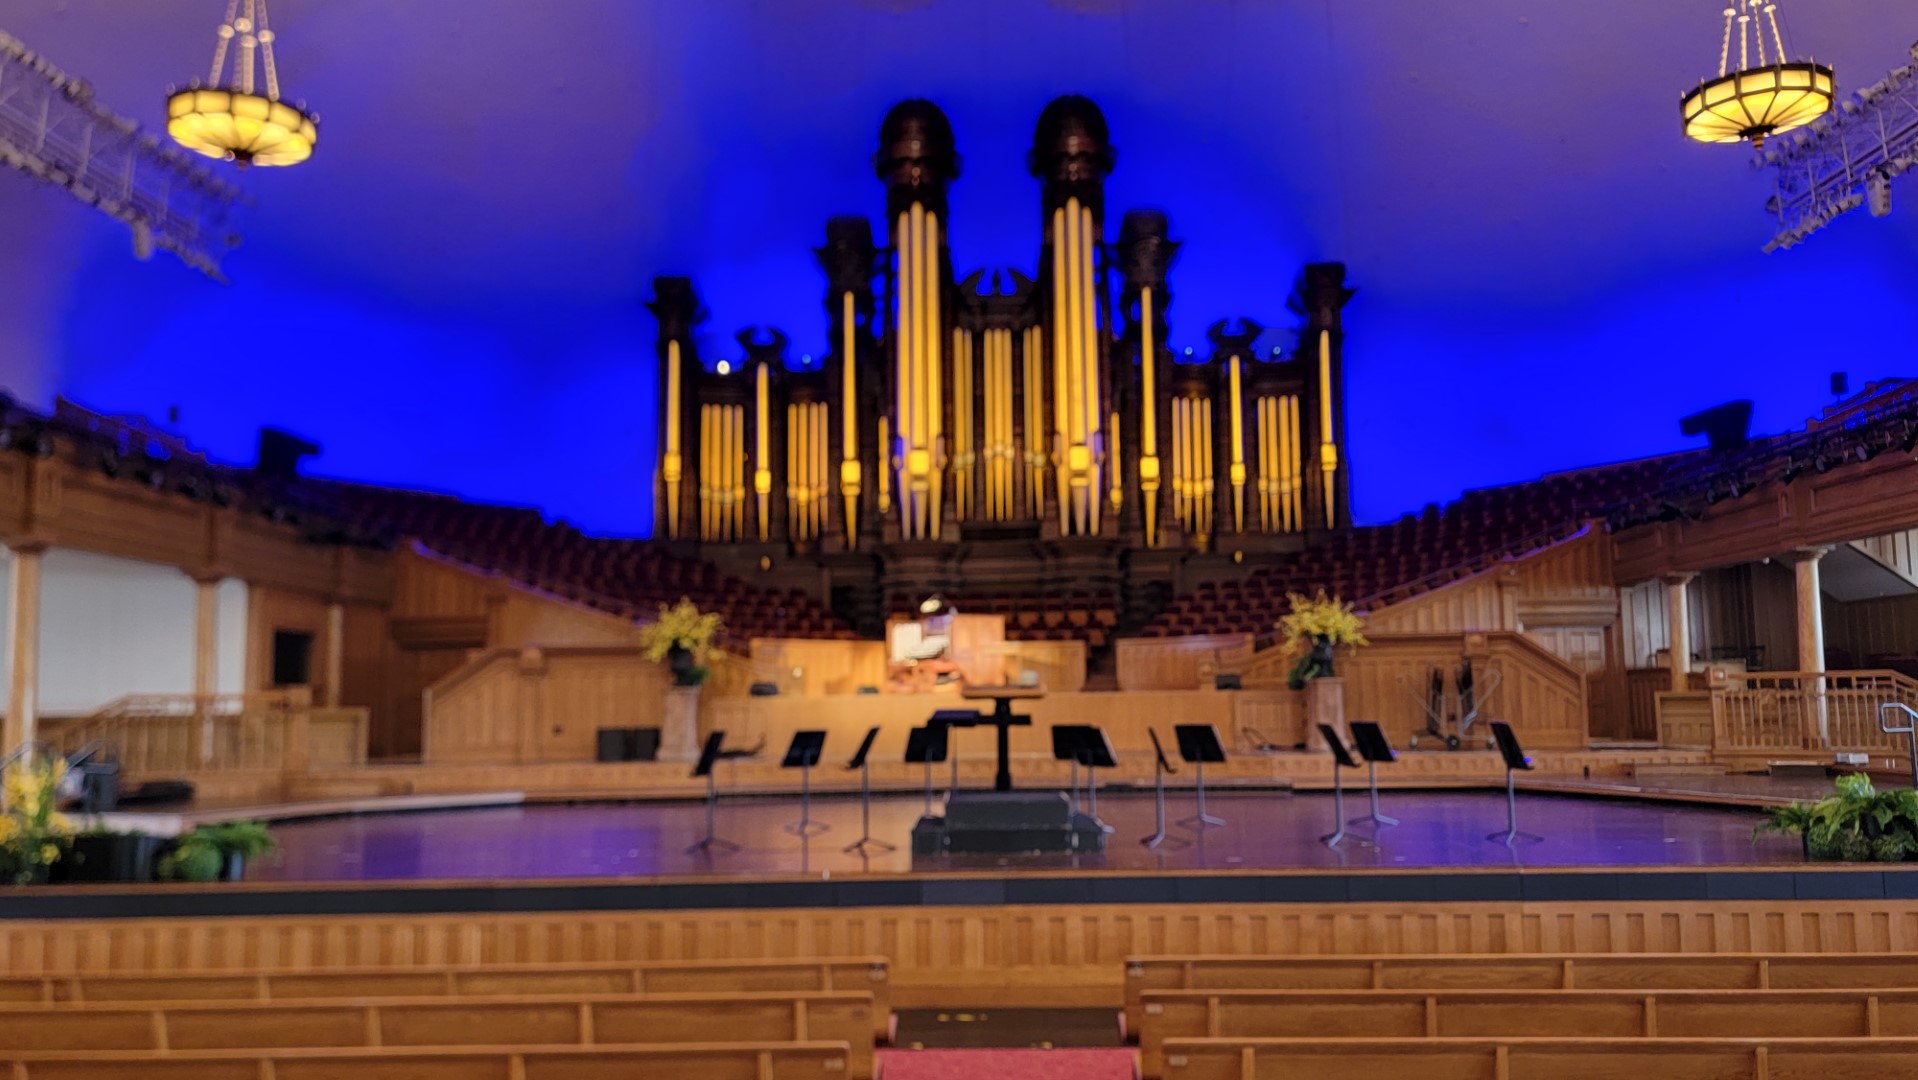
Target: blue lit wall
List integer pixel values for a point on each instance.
(449, 294)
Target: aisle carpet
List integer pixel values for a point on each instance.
(1065, 1064)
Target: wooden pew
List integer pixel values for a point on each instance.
(867, 974)
(1541, 1059)
(825, 1016)
(1513, 971)
(1563, 1014)
(684, 1061)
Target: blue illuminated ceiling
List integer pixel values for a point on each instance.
(449, 293)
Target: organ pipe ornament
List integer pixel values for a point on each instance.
(917, 160)
(237, 113)
(850, 262)
(1766, 93)
(676, 308)
(1071, 156)
(1145, 254)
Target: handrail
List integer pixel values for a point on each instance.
(1909, 731)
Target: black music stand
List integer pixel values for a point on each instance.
(802, 754)
(946, 719)
(1160, 769)
(1375, 748)
(924, 746)
(1515, 760)
(1199, 744)
(1341, 761)
(865, 795)
(1094, 753)
(1065, 747)
(708, 757)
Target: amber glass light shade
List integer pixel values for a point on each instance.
(1757, 102)
(236, 126)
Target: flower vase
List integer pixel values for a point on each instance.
(679, 725)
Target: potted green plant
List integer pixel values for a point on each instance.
(1855, 823)
(33, 833)
(216, 852)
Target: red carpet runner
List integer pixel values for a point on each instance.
(1076, 1064)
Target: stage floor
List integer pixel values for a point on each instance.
(1265, 831)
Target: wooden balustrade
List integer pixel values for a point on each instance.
(161, 736)
(1781, 711)
(682, 1061)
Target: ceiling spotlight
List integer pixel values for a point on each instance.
(227, 117)
(1753, 101)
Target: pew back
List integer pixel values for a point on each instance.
(1540, 1059)
(681, 1061)
(1564, 1014)
(868, 975)
(1554, 971)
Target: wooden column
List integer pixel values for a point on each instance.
(1678, 618)
(23, 630)
(206, 661)
(1811, 632)
(335, 652)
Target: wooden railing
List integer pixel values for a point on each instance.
(174, 735)
(1801, 710)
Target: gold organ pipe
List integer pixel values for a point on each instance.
(671, 466)
(849, 478)
(762, 445)
(1117, 474)
(705, 471)
(1296, 443)
(907, 349)
(1035, 435)
(1089, 369)
(1328, 442)
(1262, 436)
(1061, 395)
(1208, 483)
(961, 421)
(935, 398)
(885, 474)
(1149, 422)
(1235, 444)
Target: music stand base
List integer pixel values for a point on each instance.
(1201, 821)
(1513, 837)
(808, 828)
(711, 844)
(1377, 821)
(865, 842)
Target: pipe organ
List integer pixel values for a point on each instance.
(1004, 406)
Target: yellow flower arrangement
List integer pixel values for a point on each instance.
(683, 636)
(1314, 628)
(1321, 618)
(33, 831)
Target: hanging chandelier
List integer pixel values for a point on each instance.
(1756, 100)
(228, 117)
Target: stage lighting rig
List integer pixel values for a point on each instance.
(1846, 158)
(52, 130)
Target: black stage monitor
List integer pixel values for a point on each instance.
(1508, 747)
(1340, 754)
(709, 754)
(1066, 739)
(1159, 750)
(865, 747)
(1200, 742)
(1371, 742)
(804, 751)
(925, 745)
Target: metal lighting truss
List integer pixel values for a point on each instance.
(52, 130)
(1845, 158)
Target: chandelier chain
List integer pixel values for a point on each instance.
(1778, 39)
(221, 39)
(1725, 48)
(266, 53)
